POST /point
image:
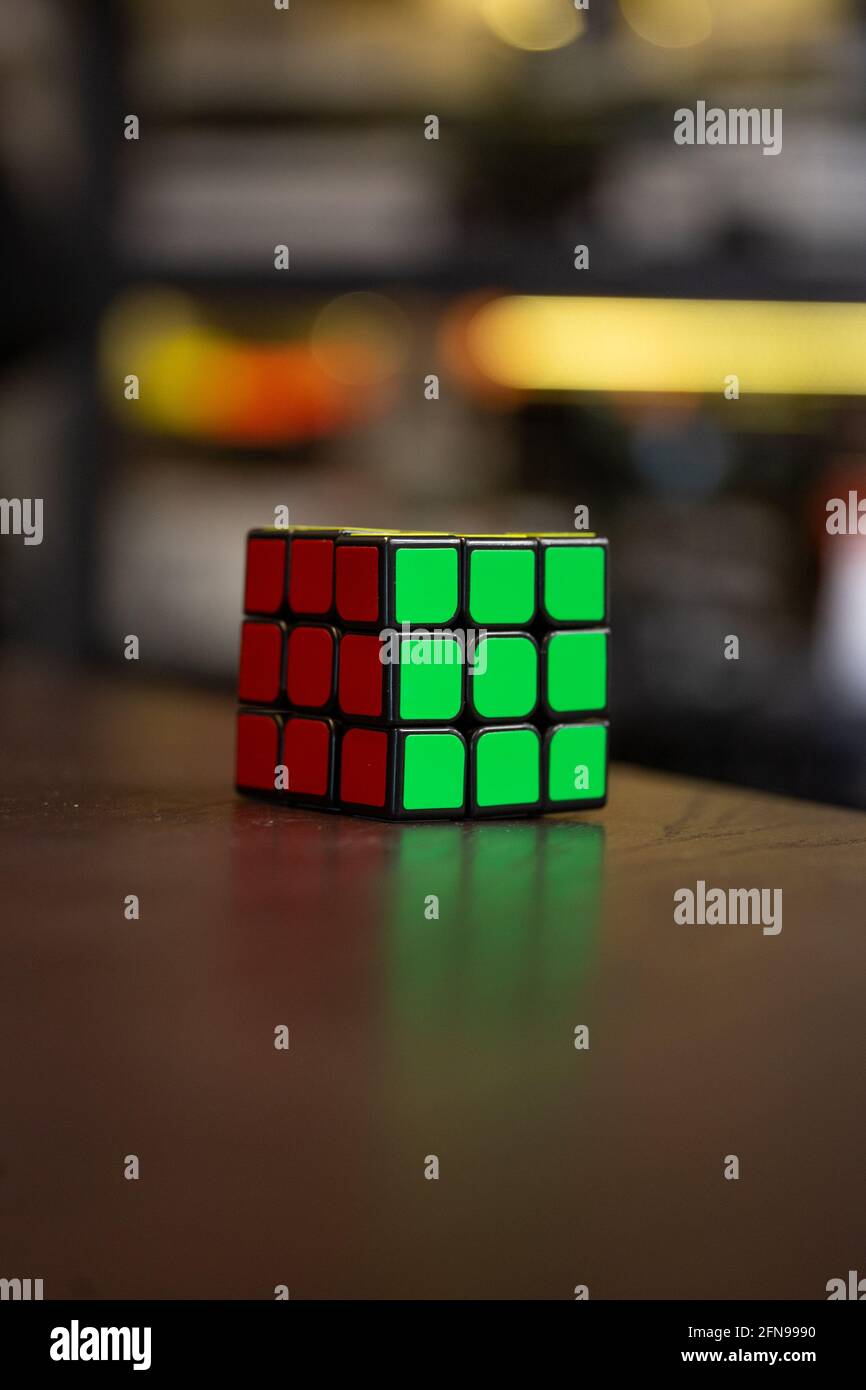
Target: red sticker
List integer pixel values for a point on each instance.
(261, 663)
(364, 767)
(358, 583)
(361, 676)
(257, 751)
(266, 576)
(310, 672)
(307, 756)
(311, 576)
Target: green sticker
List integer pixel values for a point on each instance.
(502, 586)
(426, 584)
(431, 678)
(574, 583)
(507, 767)
(434, 772)
(577, 763)
(577, 672)
(503, 679)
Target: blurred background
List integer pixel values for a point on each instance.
(166, 380)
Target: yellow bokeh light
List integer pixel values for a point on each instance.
(533, 25)
(155, 334)
(776, 22)
(669, 23)
(772, 23)
(546, 343)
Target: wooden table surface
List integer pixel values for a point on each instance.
(411, 1037)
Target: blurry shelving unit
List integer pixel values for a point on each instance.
(60, 75)
(305, 387)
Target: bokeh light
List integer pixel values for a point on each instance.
(669, 23)
(534, 25)
(360, 339)
(201, 382)
(561, 343)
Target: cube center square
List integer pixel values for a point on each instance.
(502, 681)
(430, 679)
(310, 666)
(361, 682)
(424, 675)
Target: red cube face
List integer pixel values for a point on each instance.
(364, 767)
(307, 756)
(265, 587)
(257, 752)
(261, 664)
(310, 667)
(311, 577)
(361, 680)
(358, 583)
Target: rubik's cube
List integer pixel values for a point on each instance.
(410, 676)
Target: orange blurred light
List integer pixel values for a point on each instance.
(199, 383)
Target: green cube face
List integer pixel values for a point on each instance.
(501, 586)
(503, 680)
(431, 678)
(507, 768)
(577, 763)
(576, 672)
(425, 584)
(434, 772)
(574, 583)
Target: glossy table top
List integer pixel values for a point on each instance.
(411, 1036)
